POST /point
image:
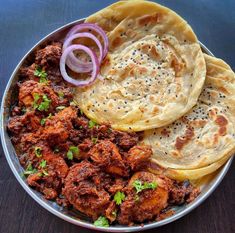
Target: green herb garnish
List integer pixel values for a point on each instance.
(119, 197)
(43, 120)
(30, 170)
(60, 107)
(41, 74)
(94, 140)
(91, 124)
(73, 151)
(38, 151)
(61, 94)
(43, 163)
(74, 103)
(139, 186)
(44, 105)
(101, 222)
(45, 173)
(36, 97)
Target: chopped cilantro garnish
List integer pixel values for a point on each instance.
(41, 74)
(36, 97)
(94, 140)
(45, 173)
(60, 107)
(101, 222)
(73, 151)
(44, 105)
(119, 197)
(43, 163)
(73, 103)
(61, 94)
(38, 151)
(91, 124)
(139, 186)
(43, 120)
(30, 170)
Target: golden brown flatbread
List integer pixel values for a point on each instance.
(154, 71)
(203, 139)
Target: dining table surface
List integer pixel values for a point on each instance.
(25, 22)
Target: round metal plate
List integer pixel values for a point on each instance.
(74, 216)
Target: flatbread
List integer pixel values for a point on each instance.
(204, 139)
(154, 71)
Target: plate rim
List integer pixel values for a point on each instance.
(65, 217)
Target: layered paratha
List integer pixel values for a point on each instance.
(154, 71)
(204, 138)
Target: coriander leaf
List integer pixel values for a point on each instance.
(36, 97)
(38, 151)
(119, 197)
(152, 185)
(101, 222)
(70, 155)
(41, 74)
(45, 173)
(74, 103)
(30, 170)
(94, 140)
(45, 104)
(43, 80)
(43, 163)
(61, 94)
(60, 107)
(91, 124)
(43, 121)
(140, 187)
(73, 151)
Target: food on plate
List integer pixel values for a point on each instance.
(115, 120)
(78, 163)
(204, 138)
(153, 73)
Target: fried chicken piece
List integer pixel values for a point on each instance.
(57, 128)
(49, 56)
(83, 193)
(30, 88)
(145, 205)
(182, 192)
(28, 72)
(49, 178)
(28, 122)
(125, 140)
(138, 157)
(105, 155)
(111, 212)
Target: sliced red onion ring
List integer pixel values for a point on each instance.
(73, 62)
(94, 27)
(94, 60)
